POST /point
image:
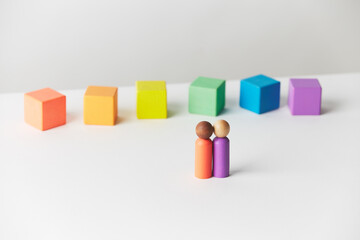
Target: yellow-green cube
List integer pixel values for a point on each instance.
(151, 100)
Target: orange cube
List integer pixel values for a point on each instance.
(45, 108)
(100, 105)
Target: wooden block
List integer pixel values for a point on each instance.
(304, 96)
(100, 105)
(259, 94)
(207, 96)
(45, 108)
(151, 99)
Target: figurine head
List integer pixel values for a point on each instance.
(204, 130)
(221, 128)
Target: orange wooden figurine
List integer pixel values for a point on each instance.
(203, 150)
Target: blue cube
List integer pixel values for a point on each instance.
(259, 94)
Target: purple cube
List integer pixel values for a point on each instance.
(304, 96)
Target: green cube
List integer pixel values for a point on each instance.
(207, 96)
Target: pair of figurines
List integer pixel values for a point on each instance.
(212, 157)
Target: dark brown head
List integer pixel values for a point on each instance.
(204, 130)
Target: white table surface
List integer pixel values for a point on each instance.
(292, 177)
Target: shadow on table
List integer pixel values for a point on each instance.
(119, 120)
(251, 167)
(283, 101)
(70, 117)
(330, 105)
(175, 109)
(171, 113)
(125, 115)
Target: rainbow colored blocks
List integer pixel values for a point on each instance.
(207, 96)
(100, 105)
(151, 99)
(304, 97)
(259, 94)
(45, 108)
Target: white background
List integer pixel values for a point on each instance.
(292, 177)
(75, 43)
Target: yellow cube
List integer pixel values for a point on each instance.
(151, 99)
(100, 105)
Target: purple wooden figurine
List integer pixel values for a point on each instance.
(221, 143)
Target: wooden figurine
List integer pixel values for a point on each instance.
(221, 149)
(203, 150)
